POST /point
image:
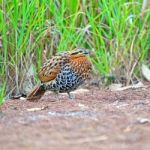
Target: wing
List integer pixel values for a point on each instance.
(52, 67)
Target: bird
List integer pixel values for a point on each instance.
(63, 73)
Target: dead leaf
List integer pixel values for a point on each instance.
(22, 98)
(143, 120)
(115, 87)
(37, 108)
(146, 72)
(90, 139)
(118, 87)
(80, 91)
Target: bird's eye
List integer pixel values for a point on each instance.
(76, 52)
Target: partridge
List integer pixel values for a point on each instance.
(63, 73)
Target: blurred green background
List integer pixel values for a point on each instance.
(31, 31)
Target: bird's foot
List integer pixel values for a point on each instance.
(71, 96)
(57, 96)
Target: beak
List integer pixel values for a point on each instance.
(91, 53)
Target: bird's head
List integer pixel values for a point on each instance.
(80, 52)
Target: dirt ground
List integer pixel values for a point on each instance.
(95, 120)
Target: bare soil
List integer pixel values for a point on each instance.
(95, 120)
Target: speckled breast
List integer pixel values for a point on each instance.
(67, 80)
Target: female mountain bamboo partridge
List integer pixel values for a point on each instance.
(63, 73)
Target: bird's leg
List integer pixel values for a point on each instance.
(71, 96)
(57, 95)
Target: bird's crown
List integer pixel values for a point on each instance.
(79, 51)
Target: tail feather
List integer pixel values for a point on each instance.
(37, 93)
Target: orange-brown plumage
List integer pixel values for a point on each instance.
(63, 72)
(36, 93)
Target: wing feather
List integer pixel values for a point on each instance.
(52, 68)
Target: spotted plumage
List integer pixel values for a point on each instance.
(64, 72)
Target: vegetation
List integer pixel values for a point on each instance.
(32, 31)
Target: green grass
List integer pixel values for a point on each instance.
(32, 31)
